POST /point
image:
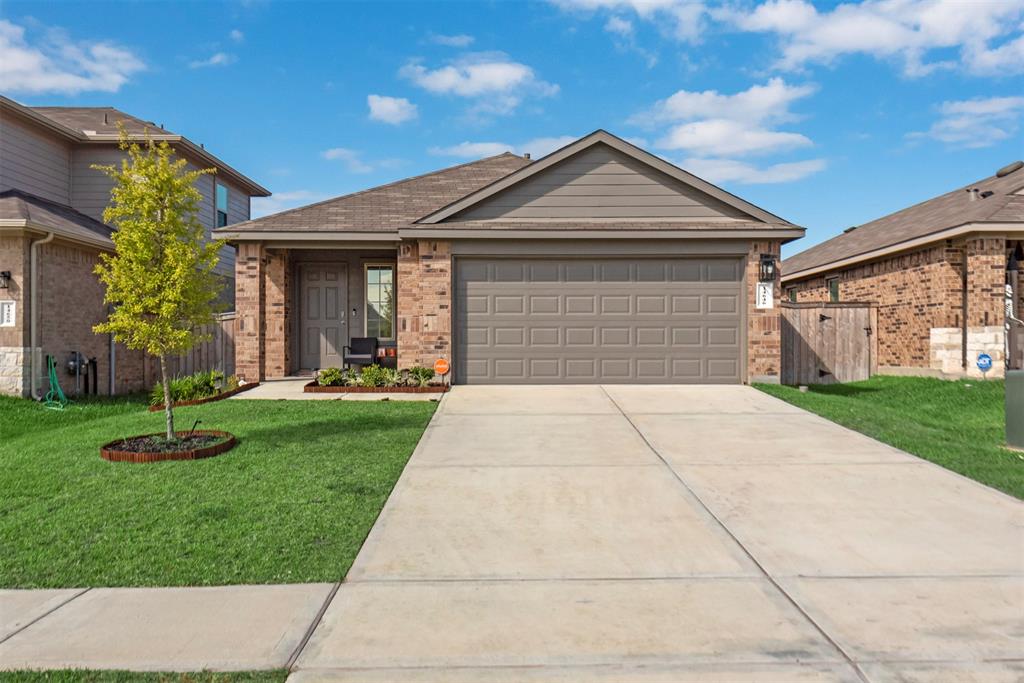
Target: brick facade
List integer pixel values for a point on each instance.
(249, 302)
(424, 302)
(920, 298)
(70, 303)
(764, 327)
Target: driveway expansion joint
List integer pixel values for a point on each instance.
(44, 615)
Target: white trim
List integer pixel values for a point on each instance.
(393, 265)
(22, 225)
(945, 234)
(441, 232)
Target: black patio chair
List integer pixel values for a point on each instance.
(362, 351)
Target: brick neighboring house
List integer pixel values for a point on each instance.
(52, 232)
(598, 263)
(938, 271)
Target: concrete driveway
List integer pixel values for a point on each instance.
(626, 533)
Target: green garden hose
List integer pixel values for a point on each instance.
(55, 398)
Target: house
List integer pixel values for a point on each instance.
(52, 232)
(938, 272)
(598, 263)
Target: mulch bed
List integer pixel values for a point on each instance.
(201, 443)
(314, 388)
(208, 399)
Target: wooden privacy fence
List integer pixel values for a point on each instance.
(217, 353)
(823, 343)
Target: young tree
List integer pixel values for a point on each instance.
(160, 278)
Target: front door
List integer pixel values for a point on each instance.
(324, 299)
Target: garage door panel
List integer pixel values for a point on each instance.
(598, 320)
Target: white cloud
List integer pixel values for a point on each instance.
(908, 31)
(680, 19)
(731, 170)
(393, 110)
(349, 157)
(216, 59)
(57, 64)
(624, 34)
(619, 26)
(981, 122)
(496, 83)
(725, 136)
(354, 162)
(768, 103)
(282, 201)
(459, 40)
(536, 148)
(236, 35)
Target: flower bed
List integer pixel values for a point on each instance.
(208, 399)
(314, 388)
(193, 445)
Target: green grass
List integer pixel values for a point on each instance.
(83, 676)
(291, 503)
(959, 425)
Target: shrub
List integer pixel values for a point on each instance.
(330, 377)
(376, 376)
(193, 387)
(420, 375)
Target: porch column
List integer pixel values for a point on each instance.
(249, 298)
(424, 302)
(276, 346)
(764, 326)
(985, 259)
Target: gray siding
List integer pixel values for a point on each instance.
(34, 160)
(91, 193)
(601, 182)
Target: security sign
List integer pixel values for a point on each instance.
(441, 366)
(984, 362)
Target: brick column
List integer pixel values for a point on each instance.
(764, 332)
(986, 280)
(424, 302)
(276, 346)
(249, 298)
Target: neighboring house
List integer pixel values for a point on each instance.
(937, 270)
(598, 263)
(52, 231)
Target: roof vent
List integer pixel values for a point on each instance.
(986, 194)
(526, 156)
(973, 193)
(850, 229)
(1009, 168)
(105, 121)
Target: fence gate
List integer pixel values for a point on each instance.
(824, 343)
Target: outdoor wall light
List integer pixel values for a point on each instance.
(5, 279)
(767, 268)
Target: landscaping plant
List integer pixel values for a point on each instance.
(192, 387)
(160, 279)
(376, 376)
(330, 377)
(420, 375)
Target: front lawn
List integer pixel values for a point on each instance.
(291, 503)
(959, 425)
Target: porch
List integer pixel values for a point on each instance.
(299, 305)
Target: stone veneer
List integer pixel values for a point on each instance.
(920, 298)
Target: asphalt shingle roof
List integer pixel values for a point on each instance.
(18, 205)
(102, 120)
(390, 207)
(939, 213)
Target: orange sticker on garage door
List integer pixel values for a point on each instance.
(441, 366)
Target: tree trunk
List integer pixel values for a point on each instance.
(168, 411)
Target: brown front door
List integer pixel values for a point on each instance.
(324, 300)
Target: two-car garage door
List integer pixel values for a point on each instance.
(643, 320)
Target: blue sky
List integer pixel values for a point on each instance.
(826, 114)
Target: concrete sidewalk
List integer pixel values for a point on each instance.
(609, 534)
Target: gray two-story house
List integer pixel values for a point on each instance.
(52, 232)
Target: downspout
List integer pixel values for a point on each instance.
(34, 313)
(963, 315)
